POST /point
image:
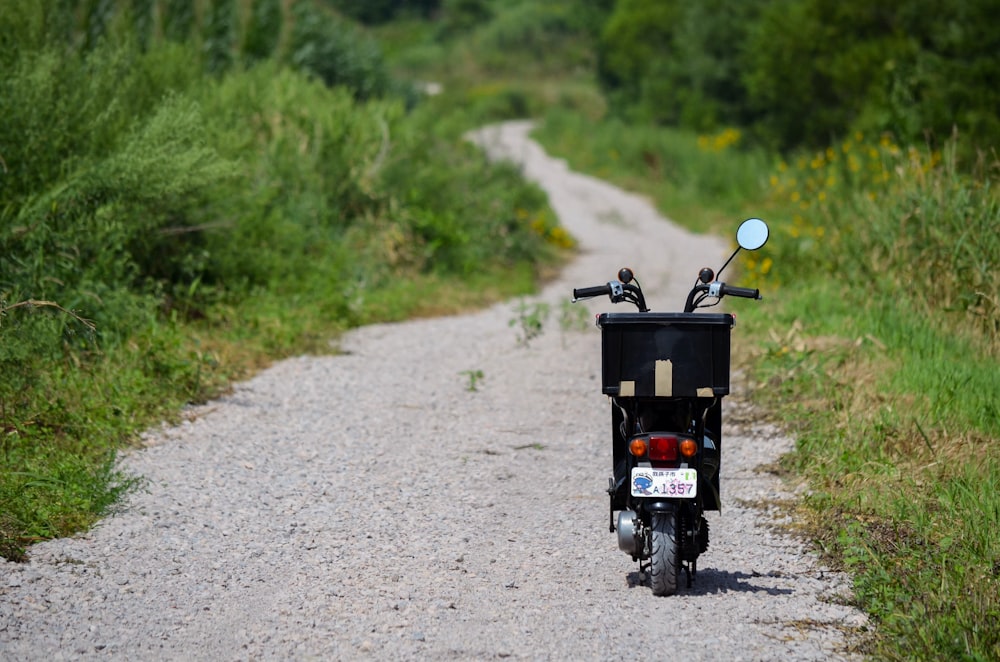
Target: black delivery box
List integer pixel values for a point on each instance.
(647, 355)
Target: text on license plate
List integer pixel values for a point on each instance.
(673, 483)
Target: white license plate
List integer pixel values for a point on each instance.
(670, 483)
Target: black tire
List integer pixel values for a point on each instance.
(664, 562)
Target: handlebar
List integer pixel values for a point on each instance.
(751, 235)
(745, 292)
(717, 289)
(587, 292)
(618, 292)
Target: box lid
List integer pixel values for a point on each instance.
(665, 319)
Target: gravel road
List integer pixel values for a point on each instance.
(371, 506)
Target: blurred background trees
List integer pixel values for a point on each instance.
(803, 72)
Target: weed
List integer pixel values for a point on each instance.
(474, 377)
(33, 303)
(530, 321)
(573, 317)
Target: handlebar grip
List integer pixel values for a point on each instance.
(585, 292)
(744, 292)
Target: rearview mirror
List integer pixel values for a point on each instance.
(752, 234)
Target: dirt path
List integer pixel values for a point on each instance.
(372, 506)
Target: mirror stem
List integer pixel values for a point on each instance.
(719, 272)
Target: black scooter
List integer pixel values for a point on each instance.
(666, 374)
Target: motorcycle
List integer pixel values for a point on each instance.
(666, 374)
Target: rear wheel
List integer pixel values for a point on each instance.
(664, 562)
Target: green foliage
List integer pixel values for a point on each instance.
(178, 19)
(336, 52)
(381, 11)
(155, 199)
(805, 72)
(902, 483)
(459, 16)
(551, 35)
(474, 377)
(263, 30)
(222, 33)
(890, 381)
(51, 495)
(914, 224)
(678, 63)
(513, 60)
(833, 59)
(219, 33)
(529, 320)
(92, 181)
(636, 35)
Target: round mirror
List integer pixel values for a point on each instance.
(752, 234)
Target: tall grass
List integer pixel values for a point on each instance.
(904, 464)
(906, 222)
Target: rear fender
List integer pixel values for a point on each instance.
(661, 506)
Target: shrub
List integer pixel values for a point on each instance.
(336, 52)
(146, 208)
(805, 72)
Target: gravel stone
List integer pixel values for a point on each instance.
(371, 506)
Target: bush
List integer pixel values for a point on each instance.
(381, 11)
(805, 72)
(147, 207)
(336, 52)
(533, 36)
(678, 64)
(263, 30)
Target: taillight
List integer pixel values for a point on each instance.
(662, 448)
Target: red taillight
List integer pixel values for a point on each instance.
(663, 448)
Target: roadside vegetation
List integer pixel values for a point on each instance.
(188, 191)
(186, 196)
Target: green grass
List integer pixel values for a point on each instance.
(897, 426)
(530, 58)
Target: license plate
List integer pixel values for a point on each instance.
(670, 483)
